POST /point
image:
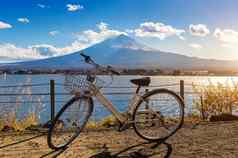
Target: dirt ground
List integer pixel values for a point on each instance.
(205, 140)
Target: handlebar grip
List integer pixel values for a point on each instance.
(86, 58)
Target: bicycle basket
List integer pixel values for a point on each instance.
(79, 83)
(76, 83)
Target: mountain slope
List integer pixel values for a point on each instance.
(125, 52)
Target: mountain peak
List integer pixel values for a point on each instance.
(122, 38)
(124, 41)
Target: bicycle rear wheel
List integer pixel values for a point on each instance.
(69, 122)
(159, 115)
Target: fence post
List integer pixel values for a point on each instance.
(182, 88)
(147, 101)
(52, 99)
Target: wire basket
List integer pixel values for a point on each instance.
(80, 83)
(76, 83)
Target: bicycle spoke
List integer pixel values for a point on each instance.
(158, 116)
(69, 123)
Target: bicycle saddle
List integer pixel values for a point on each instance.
(145, 81)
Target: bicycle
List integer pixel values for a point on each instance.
(152, 122)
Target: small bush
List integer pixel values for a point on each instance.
(19, 125)
(107, 122)
(1, 125)
(92, 124)
(216, 99)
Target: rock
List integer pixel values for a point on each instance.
(223, 117)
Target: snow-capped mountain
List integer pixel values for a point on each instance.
(125, 52)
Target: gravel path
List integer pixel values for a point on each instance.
(218, 140)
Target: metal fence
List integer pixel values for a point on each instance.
(53, 98)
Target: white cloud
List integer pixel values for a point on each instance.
(11, 51)
(195, 46)
(53, 33)
(158, 30)
(84, 40)
(45, 50)
(90, 37)
(32, 52)
(102, 26)
(228, 45)
(74, 7)
(41, 5)
(226, 36)
(199, 30)
(23, 20)
(129, 31)
(4, 25)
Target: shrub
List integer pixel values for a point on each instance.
(1, 125)
(19, 125)
(106, 122)
(92, 124)
(109, 121)
(216, 99)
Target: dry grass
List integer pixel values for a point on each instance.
(19, 125)
(216, 99)
(107, 122)
(9, 112)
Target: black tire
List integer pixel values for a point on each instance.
(60, 125)
(152, 117)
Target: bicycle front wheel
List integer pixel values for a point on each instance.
(159, 115)
(69, 122)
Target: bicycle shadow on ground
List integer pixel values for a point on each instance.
(22, 141)
(54, 153)
(142, 150)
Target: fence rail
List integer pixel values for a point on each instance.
(24, 85)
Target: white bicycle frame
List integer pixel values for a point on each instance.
(109, 105)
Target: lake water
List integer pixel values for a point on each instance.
(22, 103)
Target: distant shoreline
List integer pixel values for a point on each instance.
(122, 74)
(143, 72)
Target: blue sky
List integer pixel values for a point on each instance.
(201, 28)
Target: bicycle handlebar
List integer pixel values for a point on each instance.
(110, 69)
